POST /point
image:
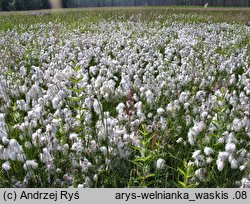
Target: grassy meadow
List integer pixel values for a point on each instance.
(125, 97)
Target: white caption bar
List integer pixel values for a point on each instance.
(112, 195)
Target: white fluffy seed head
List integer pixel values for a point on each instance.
(208, 151)
(209, 160)
(230, 147)
(245, 183)
(196, 154)
(160, 164)
(220, 164)
(104, 150)
(234, 164)
(223, 156)
(6, 166)
(97, 107)
(160, 111)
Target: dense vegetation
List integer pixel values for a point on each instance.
(126, 98)
(10, 5)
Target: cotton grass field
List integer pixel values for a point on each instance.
(125, 97)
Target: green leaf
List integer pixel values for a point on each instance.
(181, 171)
(137, 148)
(150, 175)
(149, 157)
(146, 177)
(192, 185)
(149, 139)
(78, 90)
(215, 123)
(76, 69)
(75, 80)
(185, 163)
(213, 135)
(143, 133)
(182, 184)
(138, 164)
(75, 99)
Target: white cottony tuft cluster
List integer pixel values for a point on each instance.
(194, 131)
(30, 165)
(160, 164)
(73, 101)
(6, 166)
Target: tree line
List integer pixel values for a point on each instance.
(12, 5)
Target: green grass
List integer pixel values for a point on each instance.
(74, 17)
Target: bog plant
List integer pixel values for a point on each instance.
(186, 173)
(142, 175)
(124, 101)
